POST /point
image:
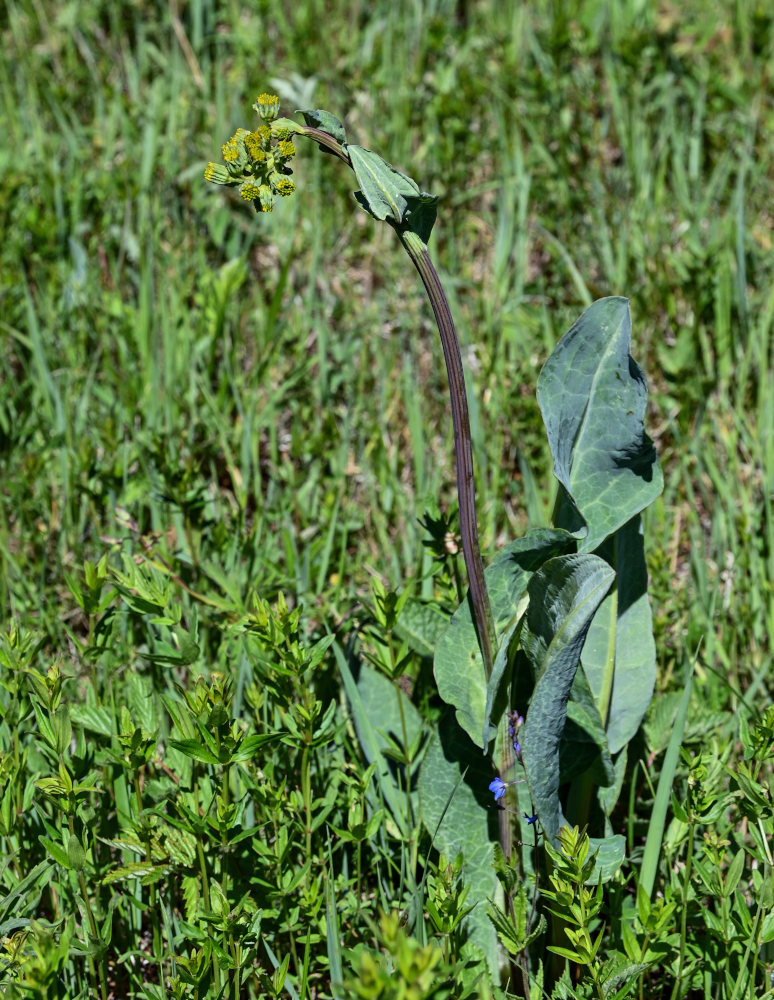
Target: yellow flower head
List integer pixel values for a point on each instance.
(267, 106)
(250, 191)
(284, 187)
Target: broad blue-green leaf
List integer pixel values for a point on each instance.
(325, 121)
(379, 697)
(593, 395)
(563, 597)
(607, 797)
(619, 656)
(458, 667)
(470, 824)
(610, 852)
(422, 625)
(377, 714)
(584, 742)
(390, 195)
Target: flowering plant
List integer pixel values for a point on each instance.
(558, 627)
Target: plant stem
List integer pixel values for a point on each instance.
(466, 491)
(463, 447)
(684, 915)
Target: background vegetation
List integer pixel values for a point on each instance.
(226, 406)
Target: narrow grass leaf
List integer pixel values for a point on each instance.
(650, 856)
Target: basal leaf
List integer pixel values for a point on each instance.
(619, 655)
(610, 853)
(563, 597)
(592, 395)
(469, 824)
(422, 625)
(374, 718)
(458, 666)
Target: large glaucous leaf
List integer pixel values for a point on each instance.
(563, 598)
(376, 710)
(592, 395)
(421, 624)
(461, 817)
(458, 666)
(619, 655)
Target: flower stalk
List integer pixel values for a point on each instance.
(257, 162)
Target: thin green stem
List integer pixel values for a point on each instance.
(306, 793)
(153, 901)
(100, 964)
(684, 915)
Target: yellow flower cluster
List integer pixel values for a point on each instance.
(257, 161)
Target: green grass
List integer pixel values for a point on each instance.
(258, 404)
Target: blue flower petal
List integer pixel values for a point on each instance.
(497, 787)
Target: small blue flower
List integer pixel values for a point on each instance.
(498, 787)
(517, 748)
(531, 819)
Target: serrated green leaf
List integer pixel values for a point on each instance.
(564, 595)
(593, 395)
(191, 894)
(505, 929)
(135, 869)
(124, 844)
